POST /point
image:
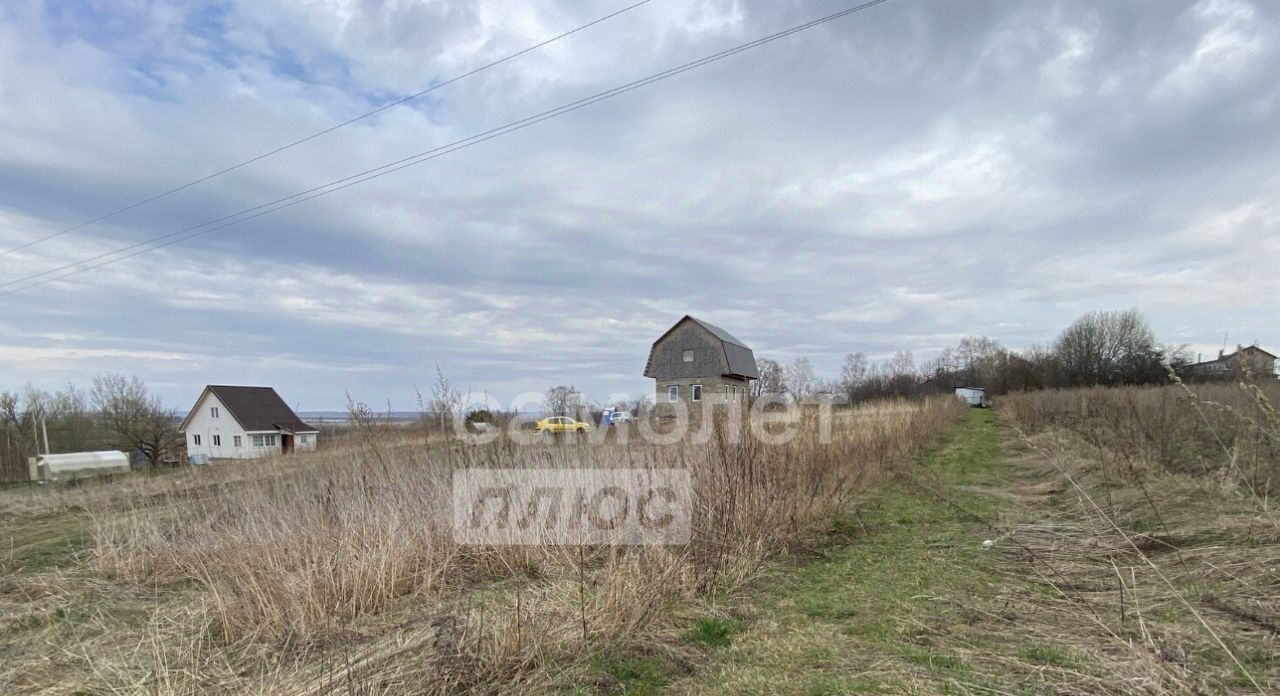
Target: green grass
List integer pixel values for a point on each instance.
(930, 659)
(1046, 655)
(39, 543)
(634, 673)
(711, 632)
(871, 614)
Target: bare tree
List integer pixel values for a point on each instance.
(771, 380)
(20, 438)
(1107, 348)
(134, 417)
(853, 374)
(71, 422)
(563, 400)
(800, 378)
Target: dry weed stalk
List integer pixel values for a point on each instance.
(354, 544)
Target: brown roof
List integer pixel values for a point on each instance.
(259, 408)
(1257, 349)
(1225, 360)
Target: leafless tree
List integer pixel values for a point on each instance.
(800, 378)
(135, 418)
(1107, 348)
(771, 379)
(853, 374)
(563, 400)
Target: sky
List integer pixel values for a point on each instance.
(896, 179)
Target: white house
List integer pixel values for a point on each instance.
(974, 396)
(244, 423)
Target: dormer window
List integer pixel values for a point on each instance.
(688, 355)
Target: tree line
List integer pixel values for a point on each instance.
(118, 413)
(1100, 348)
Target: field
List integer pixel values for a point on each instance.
(1076, 542)
(312, 572)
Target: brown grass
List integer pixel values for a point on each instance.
(1158, 529)
(338, 570)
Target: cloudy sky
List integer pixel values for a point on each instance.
(898, 178)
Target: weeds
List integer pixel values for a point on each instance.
(338, 571)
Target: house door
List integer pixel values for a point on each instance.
(286, 443)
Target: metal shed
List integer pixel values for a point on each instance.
(974, 396)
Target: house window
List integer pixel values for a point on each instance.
(271, 440)
(688, 355)
(304, 439)
(697, 392)
(213, 411)
(258, 441)
(217, 440)
(195, 440)
(673, 393)
(235, 440)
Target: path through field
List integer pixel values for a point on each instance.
(906, 598)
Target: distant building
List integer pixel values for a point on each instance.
(244, 423)
(974, 396)
(696, 361)
(1258, 361)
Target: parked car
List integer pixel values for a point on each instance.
(561, 424)
(620, 417)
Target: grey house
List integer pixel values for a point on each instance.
(695, 361)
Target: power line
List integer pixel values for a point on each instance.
(326, 131)
(247, 214)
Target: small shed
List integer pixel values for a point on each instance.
(974, 396)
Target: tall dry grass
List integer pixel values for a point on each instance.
(353, 547)
(1197, 430)
(1159, 536)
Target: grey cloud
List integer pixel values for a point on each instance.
(909, 175)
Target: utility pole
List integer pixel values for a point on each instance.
(45, 430)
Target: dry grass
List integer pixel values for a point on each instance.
(338, 570)
(1156, 536)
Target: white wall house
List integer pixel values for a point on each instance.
(231, 422)
(974, 396)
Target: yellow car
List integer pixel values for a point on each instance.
(561, 424)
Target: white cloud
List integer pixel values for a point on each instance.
(893, 180)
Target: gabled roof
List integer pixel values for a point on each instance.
(1229, 357)
(741, 361)
(255, 409)
(1269, 355)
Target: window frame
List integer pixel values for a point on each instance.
(235, 439)
(673, 393)
(687, 355)
(195, 439)
(214, 412)
(695, 392)
(217, 440)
